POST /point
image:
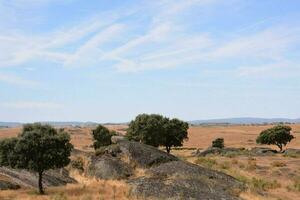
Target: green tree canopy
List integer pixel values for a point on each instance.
(38, 148)
(157, 130)
(278, 135)
(175, 133)
(219, 143)
(102, 136)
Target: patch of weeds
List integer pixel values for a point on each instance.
(225, 165)
(260, 185)
(234, 161)
(251, 164)
(241, 165)
(100, 151)
(207, 162)
(291, 155)
(295, 186)
(60, 196)
(78, 163)
(278, 164)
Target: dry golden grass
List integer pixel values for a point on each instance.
(86, 189)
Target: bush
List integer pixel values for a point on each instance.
(218, 143)
(102, 136)
(78, 163)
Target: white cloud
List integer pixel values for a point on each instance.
(31, 105)
(16, 80)
(281, 68)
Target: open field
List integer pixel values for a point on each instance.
(267, 177)
(199, 136)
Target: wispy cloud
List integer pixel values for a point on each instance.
(164, 43)
(16, 80)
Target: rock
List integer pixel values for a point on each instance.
(261, 151)
(222, 151)
(108, 167)
(29, 179)
(210, 150)
(117, 138)
(182, 180)
(8, 185)
(113, 150)
(142, 155)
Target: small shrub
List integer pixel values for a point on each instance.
(225, 165)
(297, 184)
(207, 162)
(78, 163)
(278, 164)
(59, 196)
(234, 161)
(218, 143)
(260, 185)
(251, 164)
(291, 155)
(100, 151)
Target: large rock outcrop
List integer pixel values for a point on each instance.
(25, 178)
(108, 167)
(165, 176)
(142, 155)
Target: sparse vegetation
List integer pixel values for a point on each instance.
(278, 164)
(279, 135)
(259, 184)
(207, 162)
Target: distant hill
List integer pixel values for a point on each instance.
(57, 124)
(10, 124)
(245, 120)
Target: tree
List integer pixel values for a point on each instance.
(279, 135)
(218, 143)
(102, 136)
(157, 130)
(175, 133)
(148, 129)
(38, 148)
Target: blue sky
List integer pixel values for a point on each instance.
(107, 61)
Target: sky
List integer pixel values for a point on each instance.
(108, 61)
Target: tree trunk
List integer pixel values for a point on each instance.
(41, 190)
(280, 147)
(168, 149)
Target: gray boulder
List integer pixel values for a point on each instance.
(182, 180)
(142, 155)
(117, 138)
(221, 151)
(30, 179)
(262, 151)
(8, 185)
(108, 167)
